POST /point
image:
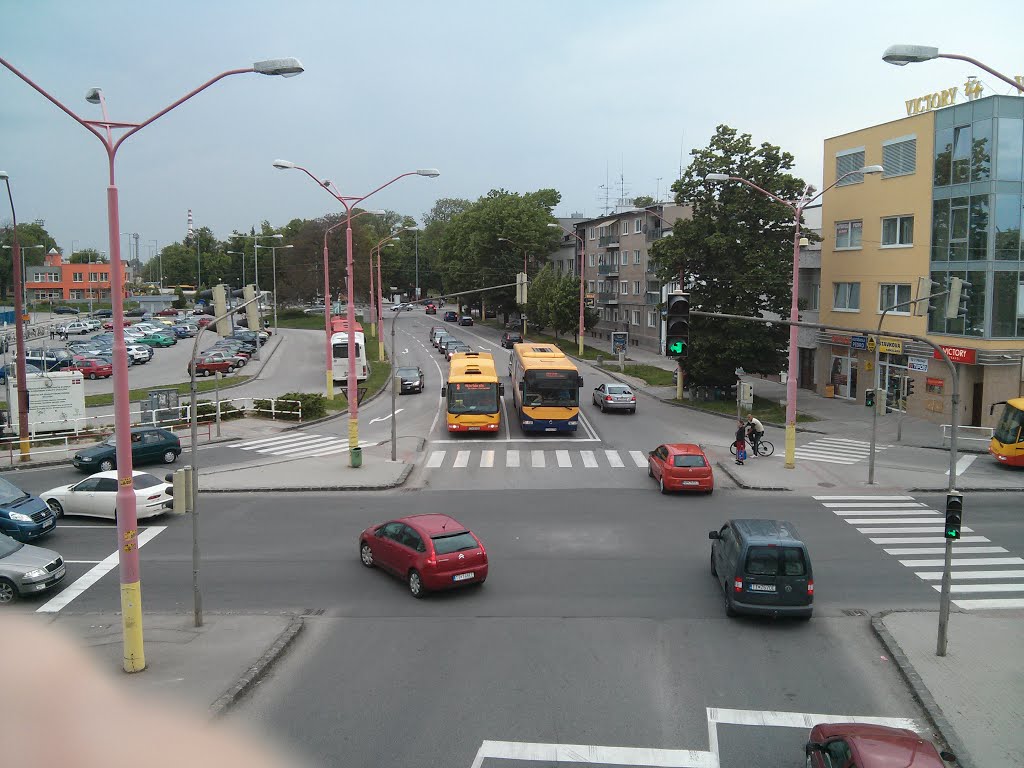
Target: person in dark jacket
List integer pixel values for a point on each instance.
(741, 442)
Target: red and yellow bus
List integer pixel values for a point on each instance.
(1007, 443)
(473, 394)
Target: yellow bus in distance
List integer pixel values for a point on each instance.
(473, 394)
(1007, 443)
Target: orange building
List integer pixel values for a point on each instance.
(57, 280)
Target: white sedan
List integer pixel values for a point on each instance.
(96, 496)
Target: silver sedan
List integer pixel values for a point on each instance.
(27, 570)
(615, 397)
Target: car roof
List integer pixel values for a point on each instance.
(674, 448)
(113, 473)
(434, 524)
(768, 531)
(884, 747)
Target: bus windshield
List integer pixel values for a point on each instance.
(341, 350)
(1008, 431)
(551, 389)
(473, 397)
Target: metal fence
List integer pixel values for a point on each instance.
(981, 435)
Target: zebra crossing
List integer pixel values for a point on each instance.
(536, 459)
(913, 533)
(305, 444)
(836, 450)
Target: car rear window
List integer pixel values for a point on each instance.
(688, 460)
(765, 561)
(146, 481)
(453, 542)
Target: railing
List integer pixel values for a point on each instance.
(981, 435)
(656, 233)
(651, 298)
(62, 448)
(607, 269)
(609, 241)
(608, 298)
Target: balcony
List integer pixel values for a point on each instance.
(652, 298)
(609, 241)
(608, 298)
(607, 269)
(656, 233)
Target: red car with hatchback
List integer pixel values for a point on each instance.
(681, 467)
(109, 324)
(839, 745)
(93, 368)
(167, 313)
(429, 552)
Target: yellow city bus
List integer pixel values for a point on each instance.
(473, 394)
(1008, 438)
(545, 388)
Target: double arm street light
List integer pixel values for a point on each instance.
(901, 55)
(349, 202)
(273, 257)
(19, 330)
(806, 198)
(134, 659)
(580, 274)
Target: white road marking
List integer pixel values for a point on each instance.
(461, 459)
(512, 458)
(613, 458)
(942, 550)
(963, 464)
(386, 416)
(890, 520)
(866, 505)
(962, 588)
(971, 575)
(593, 754)
(563, 458)
(861, 498)
(799, 719)
(283, 443)
(94, 574)
(589, 460)
(83, 562)
(307, 446)
(990, 604)
(487, 459)
(338, 449)
(921, 529)
(270, 440)
(436, 457)
(938, 562)
(639, 458)
(537, 458)
(926, 540)
(856, 512)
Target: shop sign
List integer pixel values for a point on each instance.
(917, 363)
(958, 354)
(858, 342)
(891, 346)
(840, 339)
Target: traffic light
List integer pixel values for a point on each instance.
(869, 398)
(956, 300)
(252, 311)
(910, 387)
(677, 336)
(954, 514)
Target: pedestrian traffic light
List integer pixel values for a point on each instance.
(954, 514)
(677, 336)
(869, 398)
(910, 387)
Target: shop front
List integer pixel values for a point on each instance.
(843, 368)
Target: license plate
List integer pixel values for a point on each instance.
(48, 523)
(474, 429)
(691, 482)
(59, 572)
(762, 587)
(463, 576)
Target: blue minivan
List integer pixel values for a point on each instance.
(22, 516)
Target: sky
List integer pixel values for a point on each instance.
(592, 98)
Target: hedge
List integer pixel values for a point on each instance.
(312, 406)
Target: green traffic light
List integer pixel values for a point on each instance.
(676, 347)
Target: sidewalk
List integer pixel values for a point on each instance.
(974, 695)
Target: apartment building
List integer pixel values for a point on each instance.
(620, 279)
(948, 204)
(564, 259)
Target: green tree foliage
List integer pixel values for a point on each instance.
(643, 201)
(735, 255)
(435, 223)
(87, 256)
(540, 296)
(29, 235)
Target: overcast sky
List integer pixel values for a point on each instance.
(520, 95)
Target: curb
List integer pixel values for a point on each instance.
(399, 481)
(945, 489)
(732, 476)
(338, 414)
(256, 672)
(920, 690)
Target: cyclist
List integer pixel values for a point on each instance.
(755, 431)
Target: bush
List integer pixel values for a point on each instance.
(312, 406)
(207, 410)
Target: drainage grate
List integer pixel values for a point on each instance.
(854, 612)
(314, 612)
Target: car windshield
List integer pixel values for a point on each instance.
(409, 373)
(9, 493)
(1008, 430)
(551, 389)
(8, 546)
(617, 389)
(341, 350)
(766, 561)
(473, 397)
(146, 481)
(688, 460)
(453, 542)
(111, 440)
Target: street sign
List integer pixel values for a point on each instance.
(870, 347)
(859, 342)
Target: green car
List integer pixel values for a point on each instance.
(158, 340)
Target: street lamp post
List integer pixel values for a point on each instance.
(127, 534)
(273, 254)
(901, 55)
(349, 202)
(160, 260)
(806, 198)
(526, 253)
(19, 330)
(580, 273)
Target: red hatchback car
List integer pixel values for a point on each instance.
(429, 552)
(839, 745)
(681, 467)
(94, 368)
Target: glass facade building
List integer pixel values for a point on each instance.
(977, 199)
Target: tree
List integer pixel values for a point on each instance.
(540, 296)
(87, 256)
(564, 312)
(643, 201)
(29, 236)
(734, 255)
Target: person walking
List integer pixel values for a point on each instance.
(53, 333)
(755, 431)
(741, 442)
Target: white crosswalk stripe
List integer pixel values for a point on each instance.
(563, 458)
(613, 459)
(296, 444)
(551, 459)
(639, 458)
(589, 460)
(836, 450)
(512, 459)
(974, 570)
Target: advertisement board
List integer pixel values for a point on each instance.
(56, 401)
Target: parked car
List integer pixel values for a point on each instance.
(204, 321)
(466, 320)
(428, 552)
(103, 313)
(169, 312)
(158, 340)
(764, 569)
(451, 317)
(510, 338)
(452, 349)
(139, 312)
(183, 331)
(23, 517)
(614, 397)
(29, 369)
(412, 378)
(681, 467)
(76, 327)
(65, 311)
(139, 353)
(316, 309)
(207, 366)
(94, 367)
(220, 354)
(109, 324)
(149, 444)
(870, 746)
(27, 570)
(96, 496)
(49, 359)
(94, 325)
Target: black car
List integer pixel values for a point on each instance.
(148, 444)
(510, 338)
(139, 312)
(103, 313)
(451, 317)
(412, 378)
(465, 320)
(65, 311)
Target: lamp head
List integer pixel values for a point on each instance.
(289, 67)
(717, 177)
(554, 226)
(287, 246)
(430, 172)
(872, 169)
(901, 55)
(283, 164)
(4, 176)
(278, 236)
(93, 95)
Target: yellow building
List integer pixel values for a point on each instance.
(948, 204)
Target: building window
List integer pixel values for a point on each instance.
(77, 294)
(894, 295)
(624, 287)
(897, 231)
(592, 233)
(899, 156)
(94, 277)
(623, 227)
(615, 315)
(652, 319)
(55, 277)
(624, 258)
(848, 161)
(636, 290)
(638, 227)
(76, 277)
(636, 317)
(593, 259)
(848, 234)
(636, 257)
(590, 285)
(846, 297)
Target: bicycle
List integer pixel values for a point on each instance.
(764, 448)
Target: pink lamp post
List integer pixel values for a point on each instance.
(134, 659)
(798, 207)
(901, 55)
(19, 331)
(349, 202)
(580, 272)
